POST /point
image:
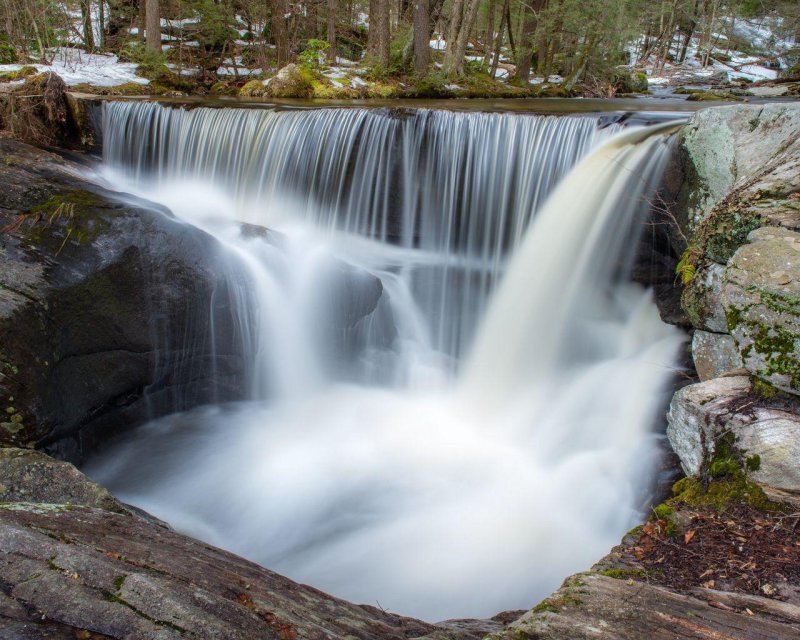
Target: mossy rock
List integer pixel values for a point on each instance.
(125, 89)
(19, 74)
(433, 85)
(553, 91)
(293, 81)
(325, 90)
(223, 88)
(713, 96)
(627, 81)
(253, 89)
(762, 304)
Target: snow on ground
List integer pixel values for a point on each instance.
(166, 22)
(77, 67)
(241, 71)
(724, 62)
(439, 44)
(335, 73)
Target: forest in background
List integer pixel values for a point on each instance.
(179, 43)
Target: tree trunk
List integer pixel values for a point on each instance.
(421, 36)
(498, 43)
(372, 34)
(487, 58)
(384, 34)
(456, 15)
(378, 36)
(279, 32)
(86, 19)
(463, 38)
(153, 25)
(529, 24)
(510, 31)
(101, 22)
(331, 18)
(142, 19)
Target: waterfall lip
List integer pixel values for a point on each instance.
(535, 106)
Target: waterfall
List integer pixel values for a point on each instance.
(453, 381)
(458, 188)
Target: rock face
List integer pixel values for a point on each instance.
(107, 304)
(745, 151)
(714, 354)
(74, 563)
(104, 308)
(741, 169)
(761, 296)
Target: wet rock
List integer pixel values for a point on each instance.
(761, 296)
(714, 354)
(96, 293)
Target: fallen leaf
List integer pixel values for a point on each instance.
(708, 585)
(687, 537)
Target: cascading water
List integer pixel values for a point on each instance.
(367, 461)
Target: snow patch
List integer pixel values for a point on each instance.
(75, 66)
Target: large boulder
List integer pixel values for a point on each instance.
(761, 296)
(750, 152)
(105, 309)
(696, 416)
(765, 432)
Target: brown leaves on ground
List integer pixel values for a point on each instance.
(742, 550)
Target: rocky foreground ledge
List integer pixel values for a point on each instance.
(75, 563)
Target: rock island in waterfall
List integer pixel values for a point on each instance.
(444, 319)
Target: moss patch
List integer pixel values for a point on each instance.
(625, 574)
(557, 603)
(19, 74)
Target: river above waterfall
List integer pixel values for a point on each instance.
(541, 106)
(452, 385)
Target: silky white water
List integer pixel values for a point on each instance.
(383, 451)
